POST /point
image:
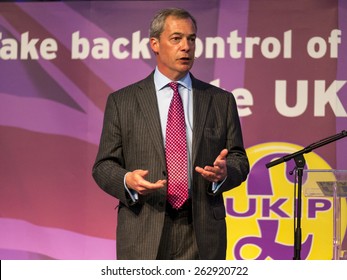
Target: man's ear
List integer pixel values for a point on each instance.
(154, 43)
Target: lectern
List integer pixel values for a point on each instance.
(332, 184)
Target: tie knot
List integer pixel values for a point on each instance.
(174, 86)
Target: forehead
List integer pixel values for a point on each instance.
(179, 25)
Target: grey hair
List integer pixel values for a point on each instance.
(158, 21)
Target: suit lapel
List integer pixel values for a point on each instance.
(201, 103)
(149, 106)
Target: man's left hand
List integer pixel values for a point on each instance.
(218, 171)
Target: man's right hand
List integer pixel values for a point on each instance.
(136, 181)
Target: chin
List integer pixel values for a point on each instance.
(186, 67)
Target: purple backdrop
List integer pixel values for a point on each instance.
(59, 61)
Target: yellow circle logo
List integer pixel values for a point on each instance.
(260, 213)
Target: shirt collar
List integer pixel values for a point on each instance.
(161, 81)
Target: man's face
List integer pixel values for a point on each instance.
(175, 48)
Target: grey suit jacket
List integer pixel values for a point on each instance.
(132, 139)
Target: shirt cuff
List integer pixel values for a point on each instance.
(216, 186)
(133, 194)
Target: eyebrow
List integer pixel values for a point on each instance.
(182, 34)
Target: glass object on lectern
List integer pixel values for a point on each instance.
(331, 184)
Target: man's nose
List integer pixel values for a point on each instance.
(185, 44)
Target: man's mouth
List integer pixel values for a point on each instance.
(186, 59)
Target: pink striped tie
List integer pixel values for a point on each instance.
(176, 151)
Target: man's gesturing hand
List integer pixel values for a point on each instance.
(218, 171)
(136, 181)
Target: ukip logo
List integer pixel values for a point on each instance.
(260, 215)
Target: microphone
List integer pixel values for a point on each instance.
(309, 148)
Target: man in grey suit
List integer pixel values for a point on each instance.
(131, 162)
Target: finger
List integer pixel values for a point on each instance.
(140, 172)
(206, 174)
(222, 156)
(208, 170)
(199, 170)
(219, 167)
(153, 186)
(162, 182)
(146, 187)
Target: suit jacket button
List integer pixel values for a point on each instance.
(161, 204)
(164, 173)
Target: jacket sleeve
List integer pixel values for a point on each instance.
(237, 160)
(108, 169)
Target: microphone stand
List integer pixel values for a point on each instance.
(300, 164)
